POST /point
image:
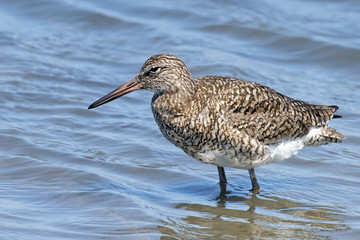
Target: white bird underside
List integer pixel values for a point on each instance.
(277, 152)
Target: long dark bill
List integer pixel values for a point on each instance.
(130, 86)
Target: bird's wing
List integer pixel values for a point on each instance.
(274, 116)
(265, 114)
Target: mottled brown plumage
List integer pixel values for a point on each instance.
(226, 121)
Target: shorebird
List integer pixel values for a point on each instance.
(226, 121)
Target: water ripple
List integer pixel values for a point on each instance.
(68, 172)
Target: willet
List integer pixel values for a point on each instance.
(226, 121)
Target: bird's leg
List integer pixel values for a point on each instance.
(254, 182)
(222, 178)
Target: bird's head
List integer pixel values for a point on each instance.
(162, 73)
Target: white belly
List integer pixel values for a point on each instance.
(277, 152)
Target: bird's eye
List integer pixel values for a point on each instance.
(151, 71)
(154, 69)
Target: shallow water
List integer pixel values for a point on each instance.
(67, 172)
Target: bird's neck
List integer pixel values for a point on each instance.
(175, 102)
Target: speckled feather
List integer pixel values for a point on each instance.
(230, 122)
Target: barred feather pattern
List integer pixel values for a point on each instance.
(230, 122)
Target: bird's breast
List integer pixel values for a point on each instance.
(175, 126)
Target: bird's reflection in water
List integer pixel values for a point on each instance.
(255, 216)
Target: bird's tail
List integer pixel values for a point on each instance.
(323, 135)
